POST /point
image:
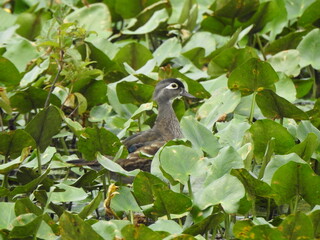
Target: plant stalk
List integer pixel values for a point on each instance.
(39, 159)
(253, 102)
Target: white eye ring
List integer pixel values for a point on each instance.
(172, 86)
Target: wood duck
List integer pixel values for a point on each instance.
(166, 127)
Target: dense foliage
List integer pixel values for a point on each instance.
(76, 77)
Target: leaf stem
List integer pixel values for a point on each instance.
(53, 84)
(39, 159)
(227, 226)
(253, 102)
(313, 76)
(260, 46)
(190, 188)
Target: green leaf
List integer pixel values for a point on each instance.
(315, 218)
(139, 232)
(231, 9)
(169, 202)
(227, 191)
(93, 205)
(66, 193)
(30, 186)
(229, 59)
(274, 106)
(222, 101)
(73, 227)
(124, 201)
(253, 76)
(101, 140)
(200, 136)
(27, 52)
(296, 226)
(133, 92)
(227, 159)
(44, 126)
(286, 62)
(12, 143)
(306, 148)
(156, 19)
(171, 48)
(134, 54)
(115, 167)
(8, 214)
(180, 162)
(95, 93)
(308, 48)
(9, 74)
(32, 98)
(169, 226)
(254, 186)
(144, 187)
(293, 179)
(263, 130)
(205, 225)
(25, 225)
(94, 17)
(310, 14)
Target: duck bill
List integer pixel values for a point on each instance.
(186, 94)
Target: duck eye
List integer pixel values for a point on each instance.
(172, 86)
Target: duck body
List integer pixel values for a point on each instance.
(166, 127)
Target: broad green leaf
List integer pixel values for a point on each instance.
(253, 185)
(222, 164)
(310, 14)
(180, 162)
(222, 101)
(303, 86)
(66, 193)
(8, 214)
(131, 9)
(28, 25)
(289, 41)
(245, 230)
(30, 186)
(101, 140)
(8, 167)
(308, 48)
(233, 133)
(293, 179)
(169, 202)
(315, 218)
(295, 8)
(276, 162)
(27, 52)
(95, 93)
(93, 205)
(274, 106)
(201, 40)
(7, 19)
(286, 88)
(263, 130)
(31, 99)
(124, 201)
(169, 226)
(144, 187)
(44, 126)
(109, 229)
(12, 143)
(296, 226)
(73, 227)
(82, 103)
(253, 76)
(135, 54)
(306, 127)
(94, 17)
(205, 225)
(139, 232)
(286, 62)
(306, 148)
(9, 74)
(200, 136)
(115, 167)
(156, 19)
(171, 48)
(227, 191)
(133, 92)
(32, 75)
(25, 225)
(231, 9)
(229, 59)
(180, 11)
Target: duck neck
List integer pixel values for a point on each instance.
(167, 122)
